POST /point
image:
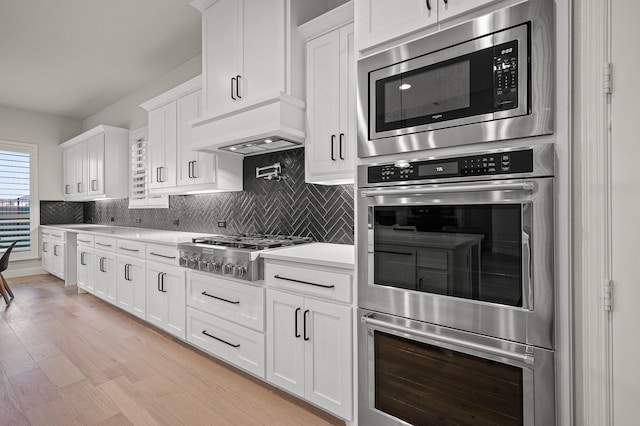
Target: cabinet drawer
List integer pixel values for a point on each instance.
(309, 279)
(131, 248)
(436, 259)
(231, 342)
(164, 254)
(86, 240)
(231, 300)
(55, 235)
(105, 243)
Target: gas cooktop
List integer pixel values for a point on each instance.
(236, 256)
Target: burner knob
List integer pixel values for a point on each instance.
(214, 266)
(229, 269)
(203, 265)
(184, 259)
(241, 271)
(192, 262)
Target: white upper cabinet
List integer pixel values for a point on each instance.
(173, 167)
(380, 21)
(331, 97)
(194, 167)
(163, 147)
(86, 177)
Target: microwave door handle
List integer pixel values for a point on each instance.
(449, 189)
(526, 358)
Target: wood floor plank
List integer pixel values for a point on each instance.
(90, 404)
(11, 412)
(75, 359)
(117, 390)
(60, 370)
(33, 388)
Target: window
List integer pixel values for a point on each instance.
(19, 203)
(139, 197)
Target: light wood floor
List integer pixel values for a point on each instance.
(71, 359)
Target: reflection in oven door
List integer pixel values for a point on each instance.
(422, 374)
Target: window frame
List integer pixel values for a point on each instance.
(34, 207)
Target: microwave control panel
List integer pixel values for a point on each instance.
(505, 76)
(498, 163)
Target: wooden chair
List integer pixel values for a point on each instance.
(4, 263)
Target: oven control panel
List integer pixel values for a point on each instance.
(505, 76)
(496, 163)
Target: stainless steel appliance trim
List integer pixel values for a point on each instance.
(543, 165)
(450, 189)
(539, 120)
(538, 376)
(531, 324)
(494, 352)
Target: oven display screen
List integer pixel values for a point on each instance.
(438, 169)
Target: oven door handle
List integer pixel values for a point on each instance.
(450, 189)
(526, 358)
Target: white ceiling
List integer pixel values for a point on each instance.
(73, 58)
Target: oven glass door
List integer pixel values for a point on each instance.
(480, 80)
(470, 251)
(424, 374)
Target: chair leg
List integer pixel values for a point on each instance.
(6, 286)
(2, 290)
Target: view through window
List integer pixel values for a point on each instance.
(16, 196)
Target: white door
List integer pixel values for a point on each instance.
(347, 136)
(131, 284)
(95, 154)
(173, 283)
(450, 8)
(263, 48)
(85, 262)
(328, 356)
(79, 188)
(222, 48)
(285, 341)
(383, 20)
(194, 167)
(69, 164)
(624, 215)
(157, 299)
(323, 107)
(105, 276)
(58, 262)
(162, 146)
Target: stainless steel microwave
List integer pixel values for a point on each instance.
(490, 78)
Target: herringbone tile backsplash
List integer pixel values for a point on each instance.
(59, 212)
(289, 206)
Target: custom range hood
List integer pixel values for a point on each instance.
(272, 124)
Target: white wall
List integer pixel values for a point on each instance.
(46, 131)
(127, 113)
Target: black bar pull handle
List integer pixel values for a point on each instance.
(304, 325)
(394, 252)
(159, 274)
(162, 275)
(429, 4)
(237, 345)
(340, 145)
(333, 139)
(233, 80)
(303, 282)
(238, 87)
(234, 302)
(296, 322)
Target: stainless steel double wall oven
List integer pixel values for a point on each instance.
(456, 277)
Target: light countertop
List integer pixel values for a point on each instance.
(141, 234)
(323, 254)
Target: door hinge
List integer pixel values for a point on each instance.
(607, 79)
(608, 295)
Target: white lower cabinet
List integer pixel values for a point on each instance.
(105, 276)
(166, 298)
(86, 269)
(309, 350)
(226, 340)
(131, 285)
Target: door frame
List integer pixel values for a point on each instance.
(592, 225)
